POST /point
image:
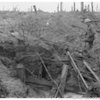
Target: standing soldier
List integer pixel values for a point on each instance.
(90, 34)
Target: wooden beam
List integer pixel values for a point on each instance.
(74, 7)
(35, 9)
(49, 74)
(92, 7)
(63, 80)
(82, 6)
(78, 71)
(89, 68)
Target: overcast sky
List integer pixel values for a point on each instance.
(46, 6)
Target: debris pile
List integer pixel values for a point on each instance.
(43, 68)
(51, 67)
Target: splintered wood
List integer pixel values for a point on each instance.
(77, 70)
(89, 68)
(63, 79)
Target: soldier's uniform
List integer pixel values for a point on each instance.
(90, 34)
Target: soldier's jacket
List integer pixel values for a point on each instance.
(90, 34)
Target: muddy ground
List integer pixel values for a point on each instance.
(33, 45)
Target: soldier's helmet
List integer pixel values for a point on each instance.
(87, 20)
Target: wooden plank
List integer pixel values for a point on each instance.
(50, 74)
(89, 68)
(39, 81)
(63, 79)
(78, 71)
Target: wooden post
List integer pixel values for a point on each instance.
(74, 7)
(78, 71)
(50, 75)
(82, 6)
(35, 8)
(63, 79)
(61, 6)
(92, 7)
(88, 7)
(89, 68)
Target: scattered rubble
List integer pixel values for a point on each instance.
(39, 67)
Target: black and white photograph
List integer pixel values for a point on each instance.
(50, 49)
